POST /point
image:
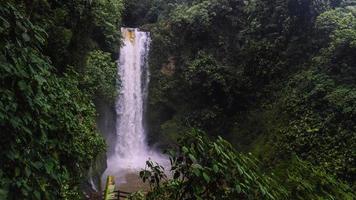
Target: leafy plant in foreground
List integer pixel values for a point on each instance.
(203, 169)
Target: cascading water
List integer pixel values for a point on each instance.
(130, 149)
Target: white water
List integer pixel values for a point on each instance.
(131, 150)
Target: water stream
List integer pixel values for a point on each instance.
(130, 151)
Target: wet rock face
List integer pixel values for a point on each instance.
(169, 68)
(106, 127)
(106, 123)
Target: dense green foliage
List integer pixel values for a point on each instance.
(100, 75)
(205, 169)
(305, 181)
(319, 102)
(47, 116)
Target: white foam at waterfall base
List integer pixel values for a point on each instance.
(131, 150)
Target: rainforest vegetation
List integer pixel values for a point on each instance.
(56, 58)
(250, 99)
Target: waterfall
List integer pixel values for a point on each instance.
(130, 148)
